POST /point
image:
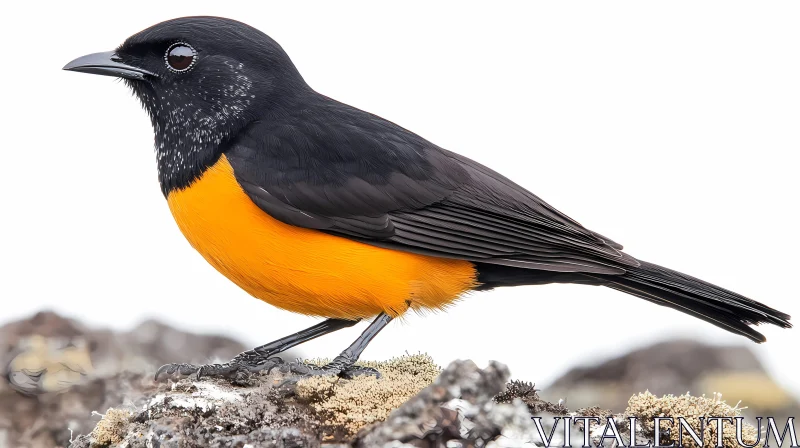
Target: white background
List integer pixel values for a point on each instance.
(671, 127)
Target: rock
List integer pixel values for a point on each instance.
(57, 371)
(458, 406)
(206, 414)
(464, 406)
(49, 353)
(676, 367)
(50, 419)
(68, 384)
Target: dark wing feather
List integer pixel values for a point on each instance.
(341, 170)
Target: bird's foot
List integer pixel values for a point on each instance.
(239, 368)
(340, 366)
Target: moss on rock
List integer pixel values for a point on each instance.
(346, 406)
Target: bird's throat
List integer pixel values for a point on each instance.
(188, 139)
(179, 167)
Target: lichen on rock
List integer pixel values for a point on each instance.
(111, 429)
(646, 406)
(457, 409)
(345, 406)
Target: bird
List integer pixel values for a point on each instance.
(319, 208)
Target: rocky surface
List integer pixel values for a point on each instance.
(67, 385)
(56, 371)
(676, 367)
(49, 353)
(458, 407)
(464, 406)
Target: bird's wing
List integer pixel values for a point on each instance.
(343, 171)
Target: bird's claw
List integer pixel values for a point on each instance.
(246, 363)
(235, 369)
(354, 371)
(175, 370)
(332, 369)
(226, 370)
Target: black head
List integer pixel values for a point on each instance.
(201, 80)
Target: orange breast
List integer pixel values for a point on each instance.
(307, 271)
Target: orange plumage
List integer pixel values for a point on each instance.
(303, 270)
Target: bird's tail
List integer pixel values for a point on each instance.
(693, 296)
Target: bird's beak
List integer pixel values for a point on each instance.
(107, 64)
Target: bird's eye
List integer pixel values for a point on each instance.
(180, 57)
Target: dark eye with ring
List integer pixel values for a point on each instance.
(180, 57)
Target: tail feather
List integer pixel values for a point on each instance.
(718, 306)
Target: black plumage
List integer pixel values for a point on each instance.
(335, 168)
(338, 169)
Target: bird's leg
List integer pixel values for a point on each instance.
(257, 359)
(344, 364)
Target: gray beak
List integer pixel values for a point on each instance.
(107, 64)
